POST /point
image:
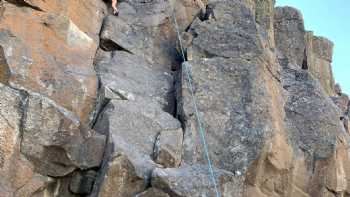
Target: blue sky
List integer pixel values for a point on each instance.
(330, 19)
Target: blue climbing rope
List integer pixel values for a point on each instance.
(194, 101)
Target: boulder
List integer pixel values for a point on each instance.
(133, 142)
(168, 148)
(54, 139)
(193, 181)
(121, 179)
(139, 132)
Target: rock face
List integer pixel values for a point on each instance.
(65, 73)
(48, 91)
(289, 35)
(319, 58)
(97, 105)
(168, 148)
(56, 141)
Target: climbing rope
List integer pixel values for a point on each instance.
(187, 65)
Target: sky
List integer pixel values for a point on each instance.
(330, 19)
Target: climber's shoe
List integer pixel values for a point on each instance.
(116, 12)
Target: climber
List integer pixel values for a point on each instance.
(115, 8)
(201, 5)
(207, 11)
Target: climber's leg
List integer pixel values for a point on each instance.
(115, 8)
(209, 13)
(201, 5)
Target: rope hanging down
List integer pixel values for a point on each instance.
(199, 122)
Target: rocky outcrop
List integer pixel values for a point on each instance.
(273, 142)
(319, 53)
(97, 105)
(139, 89)
(51, 52)
(49, 88)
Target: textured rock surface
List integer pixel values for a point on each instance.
(140, 131)
(11, 112)
(242, 33)
(319, 53)
(134, 139)
(311, 117)
(168, 148)
(131, 77)
(48, 93)
(152, 192)
(234, 130)
(65, 74)
(55, 141)
(231, 92)
(193, 181)
(290, 35)
(144, 29)
(122, 179)
(97, 105)
(342, 102)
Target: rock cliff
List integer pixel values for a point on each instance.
(101, 106)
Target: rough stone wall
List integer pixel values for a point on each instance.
(48, 93)
(319, 58)
(97, 105)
